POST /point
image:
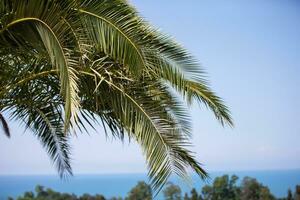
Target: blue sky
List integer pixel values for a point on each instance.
(251, 52)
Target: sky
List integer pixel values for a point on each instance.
(251, 53)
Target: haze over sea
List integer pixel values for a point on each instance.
(279, 181)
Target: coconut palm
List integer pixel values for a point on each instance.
(67, 65)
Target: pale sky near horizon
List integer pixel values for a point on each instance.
(251, 52)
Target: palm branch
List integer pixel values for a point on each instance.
(68, 64)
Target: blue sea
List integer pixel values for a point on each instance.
(119, 184)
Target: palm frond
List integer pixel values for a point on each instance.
(54, 36)
(195, 88)
(49, 129)
(45, 120)
(4, 126)
(147, 120)
(110, 26)
(77, 63)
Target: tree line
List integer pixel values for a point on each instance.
(222, 188)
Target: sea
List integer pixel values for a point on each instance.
(109, 185)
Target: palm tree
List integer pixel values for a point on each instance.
(67, 65)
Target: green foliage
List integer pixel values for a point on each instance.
(186, 197)
(297, 192)
(116, 198)
(49, 194)
(194, 195)
(223, 188)
(90, 197)
(172, 192)
(290, 195)
(251, 189)
(142, 191)
(66, 65)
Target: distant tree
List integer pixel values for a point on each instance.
(90, 197)
(86, 197)
(207, 192)
(39, 189)
(172, 192)
(186, 196)
(236, 191)
(63, 196)
(194, 194)
(142, 191)
(20, 198)
(40, 192)
(297, 192)
(251, 189)
(116, 198)
(99, 197)
(49, 194)
(223, 188)
(265, 194)
(28, 195)
(289, 195)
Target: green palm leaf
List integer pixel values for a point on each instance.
(47, 125)
(4, 125)
(110, 26)
(53, 34)
(75, 63)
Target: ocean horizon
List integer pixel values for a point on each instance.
(109, 185)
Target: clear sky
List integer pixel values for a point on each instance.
(251, 51)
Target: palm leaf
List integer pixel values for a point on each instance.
(4, 125)
(110, 26)
(195, 89)
(44, 117)
(47, 126)
(53, 34)
(69, 64)
(154, 130)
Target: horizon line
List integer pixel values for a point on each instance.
(145, 173)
